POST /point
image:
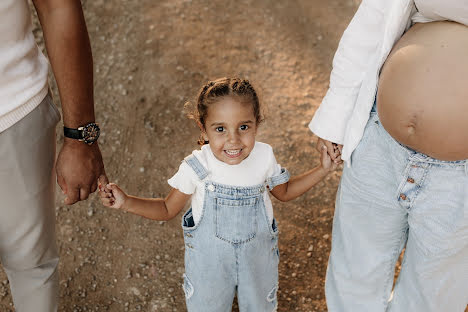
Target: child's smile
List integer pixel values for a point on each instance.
(233, 153)
(230, 127)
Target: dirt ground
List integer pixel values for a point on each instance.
(150, 58)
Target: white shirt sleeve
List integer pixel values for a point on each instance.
(274, 168)
(361, 39)
(185, 180)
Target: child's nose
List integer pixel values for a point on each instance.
(233, 137)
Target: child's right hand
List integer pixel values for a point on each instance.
(112, 196)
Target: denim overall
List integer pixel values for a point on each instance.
(232, 248)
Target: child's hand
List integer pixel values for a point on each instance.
(112, 196)
(327, 163)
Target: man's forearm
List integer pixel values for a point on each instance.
(69, 51)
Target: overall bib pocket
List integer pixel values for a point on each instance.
(236, 220)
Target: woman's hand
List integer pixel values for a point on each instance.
(326, 162)
(112, 196)
(333, 149)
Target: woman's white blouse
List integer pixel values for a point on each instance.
(441, 10)
(363, 48)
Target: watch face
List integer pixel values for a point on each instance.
(90, 133)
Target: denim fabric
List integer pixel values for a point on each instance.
(281, 178)
(232, 248)
(390, 198)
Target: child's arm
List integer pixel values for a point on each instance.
(151, 208)
(298, 185)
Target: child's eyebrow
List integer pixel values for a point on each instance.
(219, 123)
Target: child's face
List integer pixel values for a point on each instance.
(230, 126)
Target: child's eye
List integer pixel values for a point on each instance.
(244, 127)
(219, 129)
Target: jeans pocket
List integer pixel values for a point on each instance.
(236, 220)
(188, 223)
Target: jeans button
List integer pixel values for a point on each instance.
(410, 180)
(403, 196)
(211, 188)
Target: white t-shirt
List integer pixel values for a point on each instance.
(23, 67)
(441, 10)
(254, 170)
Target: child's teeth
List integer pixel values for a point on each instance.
(232, 152)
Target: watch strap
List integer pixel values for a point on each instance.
(73, 133)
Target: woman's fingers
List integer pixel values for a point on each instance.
(329, 145)
(340, 148)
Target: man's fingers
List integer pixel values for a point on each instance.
(61, 183)
(73, 195)
(84, 193)
(94, 187)
(103, 181)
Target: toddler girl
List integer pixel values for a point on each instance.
(231, 237)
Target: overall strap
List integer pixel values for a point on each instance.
(281, 178)
(196, 165)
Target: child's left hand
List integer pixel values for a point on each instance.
(327, 163)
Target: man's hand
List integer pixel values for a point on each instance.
(333, 149)
(79, 167)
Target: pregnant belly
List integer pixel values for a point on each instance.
(423, 90)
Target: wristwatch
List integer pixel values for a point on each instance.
(88, 133)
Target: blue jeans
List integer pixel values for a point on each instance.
(392, 198)
(232, 248)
